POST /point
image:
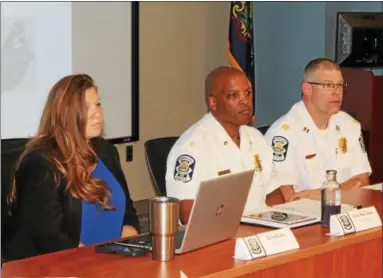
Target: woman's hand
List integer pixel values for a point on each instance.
(128, 231)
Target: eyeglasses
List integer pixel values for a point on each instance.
(330, 86)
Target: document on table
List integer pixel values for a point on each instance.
(290, 212)
(308, 207)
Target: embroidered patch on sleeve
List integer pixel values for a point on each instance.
(361, 142)
(280, 147)
(184, 169)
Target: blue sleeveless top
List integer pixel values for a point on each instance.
(97, 224)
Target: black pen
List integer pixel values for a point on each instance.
(134, 245)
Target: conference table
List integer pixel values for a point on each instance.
(320, 255)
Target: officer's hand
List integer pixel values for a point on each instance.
(305, 194)
(351, 184)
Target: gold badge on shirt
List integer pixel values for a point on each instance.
(257, 163)
(342, 144)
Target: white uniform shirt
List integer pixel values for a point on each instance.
(205, 151)
(303, 153)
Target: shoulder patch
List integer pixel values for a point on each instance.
(280, 146)
(361, 142)
(184, 168)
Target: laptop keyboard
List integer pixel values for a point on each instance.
(146, 239)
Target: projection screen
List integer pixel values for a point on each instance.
(43, 41)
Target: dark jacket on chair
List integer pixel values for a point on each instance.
(56, 225)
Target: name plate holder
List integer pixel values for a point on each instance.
(265, 244)
(354, 221)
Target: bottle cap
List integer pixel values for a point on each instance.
(331, 172)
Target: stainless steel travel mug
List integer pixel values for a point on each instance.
(163, 219)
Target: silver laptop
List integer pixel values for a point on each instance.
(215, 215)
(217, 210)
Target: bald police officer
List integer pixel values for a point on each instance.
(221, 143)
(315, 136)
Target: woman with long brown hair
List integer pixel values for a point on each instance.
(68, 188)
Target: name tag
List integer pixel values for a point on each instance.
(224, 172)
(354, 221)
(265, 244)
(309, 156)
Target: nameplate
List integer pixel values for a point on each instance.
(354, 221)
(265, 244)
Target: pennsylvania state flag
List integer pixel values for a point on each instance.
(241, 48)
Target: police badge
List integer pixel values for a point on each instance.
(342, 144)
(258, 164)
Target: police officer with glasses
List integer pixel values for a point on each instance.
(315, 136)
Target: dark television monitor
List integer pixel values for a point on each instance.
(359, 39)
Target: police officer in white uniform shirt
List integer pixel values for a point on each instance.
(315, 136)
(221, 143)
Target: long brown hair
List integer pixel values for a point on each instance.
(62, 130)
